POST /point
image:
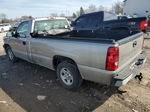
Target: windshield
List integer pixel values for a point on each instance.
(47, 25)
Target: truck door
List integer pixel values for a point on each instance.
(41, 49)
(19, 43)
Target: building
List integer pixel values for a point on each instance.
(139, 8)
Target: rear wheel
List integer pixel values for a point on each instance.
(69, 76)
(11, 55)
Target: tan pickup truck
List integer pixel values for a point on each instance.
(106, 61)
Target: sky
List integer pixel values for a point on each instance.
(43, 8)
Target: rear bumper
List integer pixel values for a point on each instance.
(130, 71)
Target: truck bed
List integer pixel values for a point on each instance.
(127, 51)
(67, 36)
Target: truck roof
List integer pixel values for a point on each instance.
(48, 18)
(99, 12)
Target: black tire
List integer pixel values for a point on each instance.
(73, 70)
(11, 55)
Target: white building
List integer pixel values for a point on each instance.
(139, 8)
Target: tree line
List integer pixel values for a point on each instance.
(4, 19)
(117, 8)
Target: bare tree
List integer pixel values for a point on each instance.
(74, 15)
(3, 16)
(81, 11)
(91, 8)
(118, 8)
(62, 15)
(25, 17)
(54, 15)
(78, 13)
(101, 8)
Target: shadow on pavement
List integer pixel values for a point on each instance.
(36, 89)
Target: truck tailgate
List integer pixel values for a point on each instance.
(130, 48)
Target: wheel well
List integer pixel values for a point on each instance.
(6, 45)
(59, 59)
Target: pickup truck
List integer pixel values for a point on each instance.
(107, 61)
(107, 25)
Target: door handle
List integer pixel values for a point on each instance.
(24, 43)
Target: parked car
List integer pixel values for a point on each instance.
(112, 61)
(4, 27)
(14, 26)
(107, 25)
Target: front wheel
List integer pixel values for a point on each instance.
(69, 76)
(11, 55)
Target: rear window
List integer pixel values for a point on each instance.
(82, 21)
(88, 21)
(47, 25)
(110, 16)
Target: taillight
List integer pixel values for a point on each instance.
(144, 25)
(112, 59)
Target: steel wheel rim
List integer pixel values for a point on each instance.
(66, 76)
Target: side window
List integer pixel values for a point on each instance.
(23, 28)
(48, 25)
(88, 21)
(93, 21)
(82, 21)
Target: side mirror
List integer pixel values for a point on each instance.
(12, 29)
